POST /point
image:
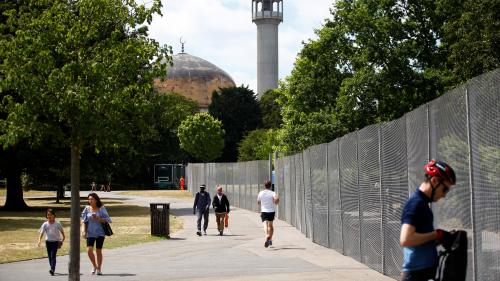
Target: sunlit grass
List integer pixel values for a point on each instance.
(179, 194)
(19, 230)
(30, 193)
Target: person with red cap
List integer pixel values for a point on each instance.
(418, 236)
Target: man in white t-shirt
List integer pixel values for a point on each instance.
(267, 200)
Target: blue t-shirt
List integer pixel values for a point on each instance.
(417, 212)
(94, 227)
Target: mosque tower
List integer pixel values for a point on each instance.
(267, 15)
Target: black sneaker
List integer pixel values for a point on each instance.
(198, 233)
(220, 232)
(51, 272)
(266, 244)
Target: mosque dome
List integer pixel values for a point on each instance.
(194, 78)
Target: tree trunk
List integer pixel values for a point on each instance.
(74, 250)
(14, 200)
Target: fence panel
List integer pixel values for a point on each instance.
(293, 191)
(369, 194)
(307, 193)
(278, 176)
(319, 194)
(448, 127)
(288, 201)
(350, 193)
(334, 198)
(484, 112)
(299, 194)
(394, 175)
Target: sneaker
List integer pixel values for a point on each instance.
(204, 232)
(198, 233)
(93, 271)
(266, 244)
(270, 242)
(51, 272)
(99, 272)
(220, 232)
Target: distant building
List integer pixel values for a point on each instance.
(194, 78)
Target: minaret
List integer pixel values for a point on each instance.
(267, 15)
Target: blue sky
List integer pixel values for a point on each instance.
(222, 32)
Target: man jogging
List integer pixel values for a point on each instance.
(267, 200)
(418, 237)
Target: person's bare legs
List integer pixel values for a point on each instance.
(99, 258)
(90, 253)
(271, 230)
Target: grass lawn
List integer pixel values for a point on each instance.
(180, 194)
(19, 230)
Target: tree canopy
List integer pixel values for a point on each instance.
(257, 145)
(270, 109)
(202, 136)
(374, 61)
(238, 110)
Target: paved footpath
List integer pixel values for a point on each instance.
(238, 255)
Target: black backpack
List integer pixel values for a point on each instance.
(453, 258)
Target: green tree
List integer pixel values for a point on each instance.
(10, 166)
(239, 111)
(471, 37)
(82, 72)
(270, 109)
(374, 61)
(257, 145)
(202, 136)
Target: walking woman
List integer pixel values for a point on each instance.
(93, 216)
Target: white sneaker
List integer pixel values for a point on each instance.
(99, 272)
(93, 271)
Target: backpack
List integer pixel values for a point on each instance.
(453, 258)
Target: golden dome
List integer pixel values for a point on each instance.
(194, 78)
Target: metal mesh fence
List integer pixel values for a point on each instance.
(394, 183)
(484, 113)
(348, 194)
(369, 197)
(319, 194)
(299, 194)
(307, 193)
(334, 198)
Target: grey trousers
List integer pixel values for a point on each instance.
(199, 215)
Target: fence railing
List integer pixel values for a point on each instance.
(348, 194)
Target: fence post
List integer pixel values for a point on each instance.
(382, 205)
(471, 185)
(327, 199)
(340, 197)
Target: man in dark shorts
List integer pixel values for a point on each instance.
(267, 200)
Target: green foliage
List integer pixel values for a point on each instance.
(257, 145)
(82, 73)
(374, 61)
(239, 111)
(270, 109)
(202, 136)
